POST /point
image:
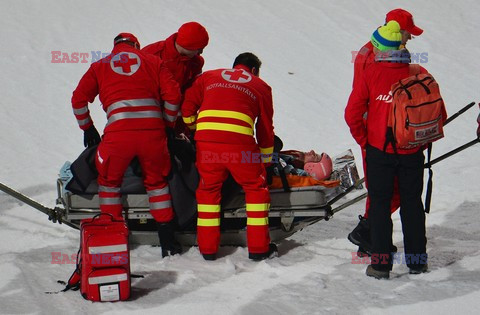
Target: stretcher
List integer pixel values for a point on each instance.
(292, 208)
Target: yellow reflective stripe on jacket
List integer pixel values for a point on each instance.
(267, 154)
(257, 221)
(226, 114)
(208, 208)
(258, 206)
(208, 222)
(225, 127)
(266, 150)
(190, 119)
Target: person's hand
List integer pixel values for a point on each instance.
(91, 137)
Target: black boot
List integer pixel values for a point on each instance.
(209, 256)
(166, 234)
(272, 252)
(360, 235)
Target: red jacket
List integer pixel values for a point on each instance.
(131, 86)
(184, 69)
(223, 105)
(363, 59)
(372, 95)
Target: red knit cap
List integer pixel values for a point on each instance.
(192, 36)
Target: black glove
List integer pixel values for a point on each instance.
(91, 137)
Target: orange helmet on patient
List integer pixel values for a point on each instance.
(320, 170)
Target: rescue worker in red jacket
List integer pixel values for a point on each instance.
(181, 54)
(132, 86)
(372, 96)
(365, 57)
(226, 107)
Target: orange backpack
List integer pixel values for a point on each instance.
(417, 113)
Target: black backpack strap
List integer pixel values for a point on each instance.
(428, 194)
(73, 282)
(390, 139)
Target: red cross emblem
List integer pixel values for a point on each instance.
(126, 63)
(236, 76)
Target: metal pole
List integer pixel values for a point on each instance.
(463, 110)
(54, 214)
(454, 151)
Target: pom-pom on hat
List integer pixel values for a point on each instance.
(387, 37)
(192, 36)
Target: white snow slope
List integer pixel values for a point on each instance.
(306, 48)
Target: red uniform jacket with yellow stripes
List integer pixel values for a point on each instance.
(230, 106)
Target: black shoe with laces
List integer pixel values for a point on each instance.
(272, 252)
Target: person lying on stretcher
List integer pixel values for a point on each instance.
(301, 169)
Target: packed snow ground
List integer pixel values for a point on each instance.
(306, 48)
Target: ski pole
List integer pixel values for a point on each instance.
(461, 111)
(454, 151)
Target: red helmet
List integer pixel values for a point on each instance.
(126, 37)
(320, 170)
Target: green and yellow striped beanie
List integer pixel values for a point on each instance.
(387, 37)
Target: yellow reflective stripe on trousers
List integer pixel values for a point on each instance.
(258, 206)
(225, 127)
(257, 221)
(208, 222)
(226, 114)
(208, 208)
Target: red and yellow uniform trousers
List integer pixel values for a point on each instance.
(215, 161)
(114, 154)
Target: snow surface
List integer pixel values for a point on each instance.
(306, 48)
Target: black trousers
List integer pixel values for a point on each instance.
(381, 170)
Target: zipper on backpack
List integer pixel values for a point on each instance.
(426, 103)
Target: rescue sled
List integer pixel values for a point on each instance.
(292, 208)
